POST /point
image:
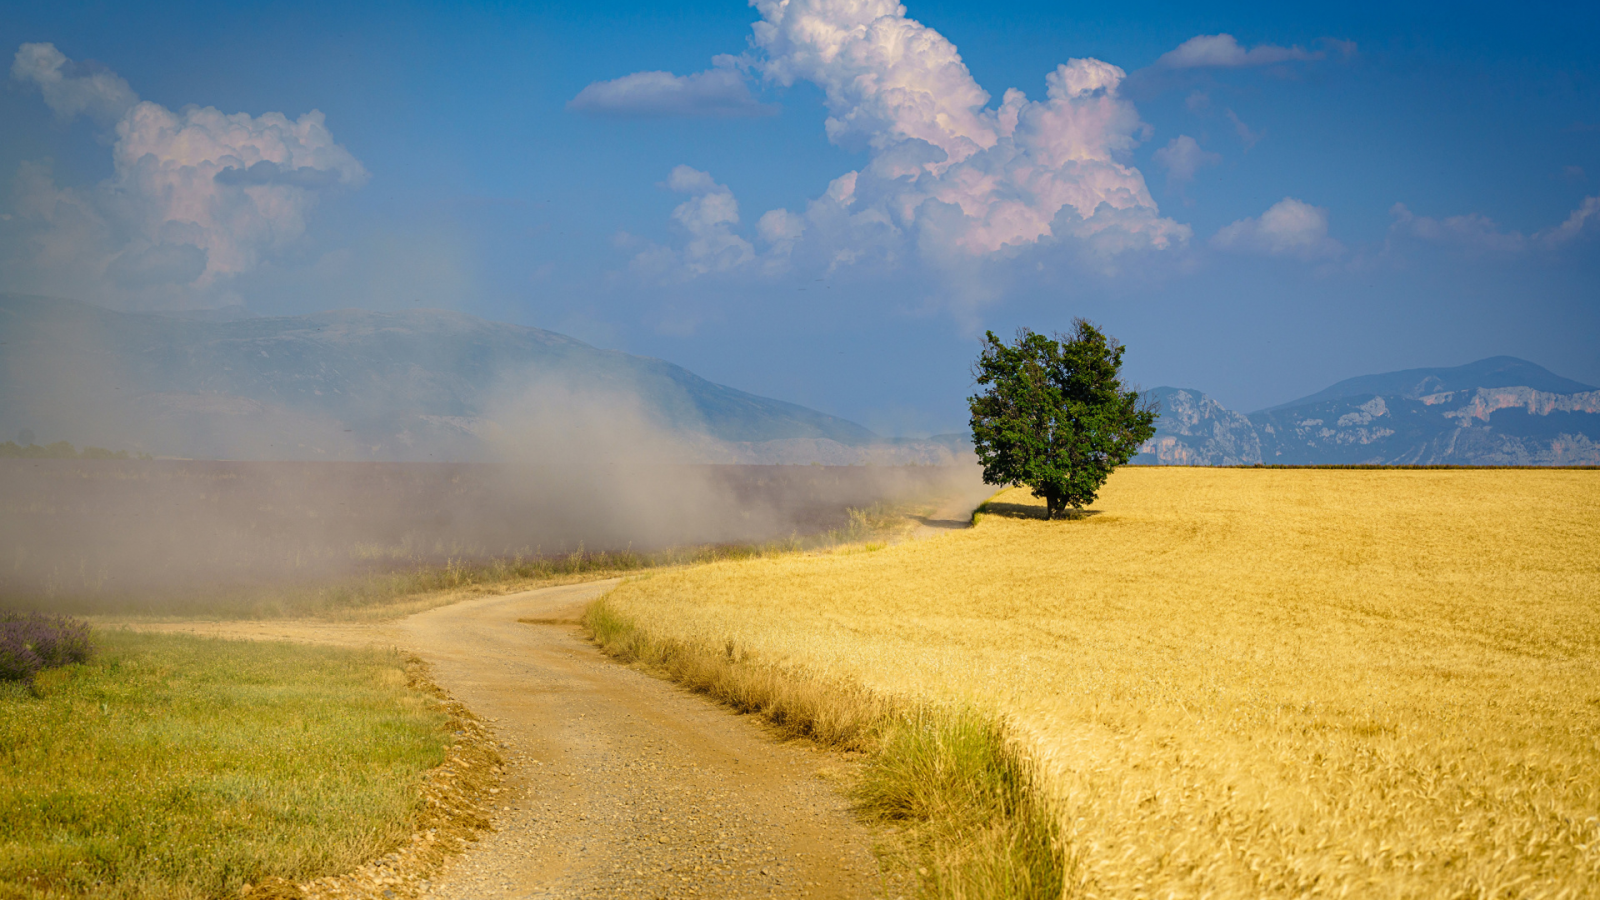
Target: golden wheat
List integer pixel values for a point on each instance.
(1241, 683)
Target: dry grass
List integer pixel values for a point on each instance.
(971, 822)
(1240, 683)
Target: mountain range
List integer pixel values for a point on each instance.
(1496, 411)
(400, 386)
(437, 385)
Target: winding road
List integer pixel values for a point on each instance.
(618, 785)
(622, 785)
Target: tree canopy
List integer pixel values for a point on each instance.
(1054, 414)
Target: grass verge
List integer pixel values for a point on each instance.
(973, 824)
(180, 767)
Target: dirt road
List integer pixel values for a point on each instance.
(621, 785)
(618, 785)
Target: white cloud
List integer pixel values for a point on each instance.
(947, 176)
(197, 196)
(1478, 233)
(1289, 227)
(900, 89)
(1587, 214)
(1182, 158)
(689, 180)
(780, 225)
(236, 186)
(72, 89)
(1224, 52)
(719, 91)
(707, 220)
(1472, 231)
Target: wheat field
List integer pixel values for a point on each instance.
(1240, 683)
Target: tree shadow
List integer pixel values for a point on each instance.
(941, 524)
(1030, 511)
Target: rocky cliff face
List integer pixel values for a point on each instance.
(1416, 424)
(1195, 430)
(1485, 426)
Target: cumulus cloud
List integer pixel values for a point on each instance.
(706, 220)
(901, 89)
(720, 91)
(237, 186)
(1223, 51)
(71, 89)
(196, 196)
(1289, 227)
(949, 177)
(1182, 157)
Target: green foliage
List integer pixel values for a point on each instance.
(1055, 415)
(181, 768)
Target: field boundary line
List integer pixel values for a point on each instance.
(1398, 467)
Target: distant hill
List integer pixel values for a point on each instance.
(354, 384)
(1497, 411)
(1494, 372)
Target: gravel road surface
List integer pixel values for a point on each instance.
(621, 785)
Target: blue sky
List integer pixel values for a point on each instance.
(1257, 199)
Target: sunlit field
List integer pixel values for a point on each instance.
(1241, 683)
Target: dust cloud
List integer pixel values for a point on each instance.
(573, 469)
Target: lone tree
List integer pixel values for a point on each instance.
(1055, 416)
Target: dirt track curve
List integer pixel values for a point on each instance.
(618, 785)
(621, 785)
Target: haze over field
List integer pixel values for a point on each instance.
(170, 535)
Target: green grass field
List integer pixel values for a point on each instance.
(178, 767)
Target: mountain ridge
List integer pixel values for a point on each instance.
(1462, 415)
(443, 385)
(1490, 372)
(358, 384)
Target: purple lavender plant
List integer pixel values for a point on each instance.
(30, 642)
